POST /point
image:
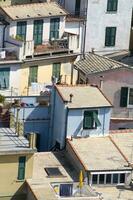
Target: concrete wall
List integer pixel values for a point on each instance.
(9, 172)
(59, 120)
(112, 83)
(75, 123)
(14, 79)
(98, 19)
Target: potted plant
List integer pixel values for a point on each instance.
(2, 100)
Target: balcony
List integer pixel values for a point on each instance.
(20, 50)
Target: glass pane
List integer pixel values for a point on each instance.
(122, 178)
(94, 179)
(108, 178)
(101, 178)
(115, 178)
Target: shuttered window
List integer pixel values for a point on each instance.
(124, 97)
(4, 78)
(56, 70)
(33, 74)
(110, 36)
(91, 120)
(112, 5)
(54, 28)
(131, 96)
(21, 168)
(21, 30)
(38, 31)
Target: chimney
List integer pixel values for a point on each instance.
(71, 96)
(101, 82)
(32, 140)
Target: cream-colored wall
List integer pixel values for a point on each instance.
(9, 184)
(44, 74)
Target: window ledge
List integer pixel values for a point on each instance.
(20, 180)
(111, 12)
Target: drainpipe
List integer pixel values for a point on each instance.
(66, 122)
(3, 45)
(84, 40)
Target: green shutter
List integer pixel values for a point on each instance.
(38, 32)
(95, 117)
(112, 5)
(54, 28)
(4, 78)
(33, 74)
(21, 29)
(131, 96)
(124, 97)
(21, 168)
(56, 70)
(110, 36)
(88, 120)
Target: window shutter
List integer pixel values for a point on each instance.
(123, 97)
(88, 120)
(33, 74)
(95, 117)
(21, 168)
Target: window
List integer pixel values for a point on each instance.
(94, 179)
(126, 97)
(101, 178)
(110, 36)
(122, 178)
(66, 190)
(38, 31)
(108, 178)
(91, 120)
(4, 78)
(112, 5)
(115, 178)
(21, 168)
(33, 74)
(56, 70)
(54, 28)
(53, 172)
(77, 7)
(21, 30)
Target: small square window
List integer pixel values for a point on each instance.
(91, 120)
(112, 5)
(94, 179)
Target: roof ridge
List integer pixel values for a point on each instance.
(27, 4)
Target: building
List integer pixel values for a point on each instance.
(78, 111)
(51, 180)
(104, 160)
(16, 163)
(36, 37)
(115, 80)
(105, 20)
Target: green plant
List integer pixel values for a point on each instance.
(2, 99)
(18, 37)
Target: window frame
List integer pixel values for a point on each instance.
(55, 71)
(8, 82)
(21, 25)
(93, 123)
(54, 33)
(110, 38)
(128, 98)
(20, 176)
(110, 6)
(30, 76)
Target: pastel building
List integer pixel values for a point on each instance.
(78, 111)
(36, 36)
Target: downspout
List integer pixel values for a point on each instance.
(3, 46)
(85, 22)
(104, 121)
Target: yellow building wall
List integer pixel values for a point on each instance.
(9, 184)
(44, 74)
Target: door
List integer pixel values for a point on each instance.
(77, 7)
(38, 31)
(54, 28)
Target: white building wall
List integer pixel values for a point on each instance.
(98, 19)
(14, 79)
